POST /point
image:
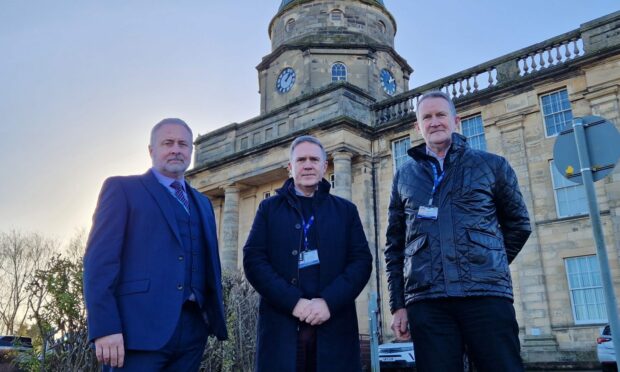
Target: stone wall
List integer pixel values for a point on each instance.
(315, 19)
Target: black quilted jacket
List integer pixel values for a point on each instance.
(482, 224)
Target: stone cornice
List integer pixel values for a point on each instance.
(346, 86)
(343, 121)
(600, 92)
(371, 47)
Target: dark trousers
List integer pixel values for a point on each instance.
(182, 353)
(306, 348)
(441, 329)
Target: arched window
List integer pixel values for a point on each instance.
(339, 72)
(336, 15)
(290, 25)
(381, 27)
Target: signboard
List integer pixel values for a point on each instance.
(603, 143)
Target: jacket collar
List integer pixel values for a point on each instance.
(288, 190)
(459, 143)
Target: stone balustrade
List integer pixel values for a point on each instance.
(509, 70)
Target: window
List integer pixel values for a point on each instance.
(557, 112)
(570, 198)
(290, 25)
(586, 290)
(399, 152)
(266, 194)
(474, 131)
(381, 27)
(336, 15)
(332, 180)
(339, 72)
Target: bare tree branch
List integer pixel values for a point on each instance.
(21, 254)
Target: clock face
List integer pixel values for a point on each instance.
(387, 82)
(286, 80)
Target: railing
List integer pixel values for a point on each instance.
(497, 72)
(552, 55)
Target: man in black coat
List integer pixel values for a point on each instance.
(308, 258)
(456, 220)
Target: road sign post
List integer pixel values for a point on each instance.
(602, 144)
(373, 312)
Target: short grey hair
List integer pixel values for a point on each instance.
(309, 139)
(438, 94)
(170, 121)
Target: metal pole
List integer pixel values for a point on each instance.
(374, 332)
(601, 252)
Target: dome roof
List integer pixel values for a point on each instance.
(285, 3)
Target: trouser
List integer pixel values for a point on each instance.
(182, 353)
(487, 326)
(306, 348)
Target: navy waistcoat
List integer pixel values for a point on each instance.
(194, 249)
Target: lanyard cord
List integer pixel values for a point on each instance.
(437, 178)
(306, 230)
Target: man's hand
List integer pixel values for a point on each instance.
(110, 350)
(302, 309)
(319, 312)
(400, 325)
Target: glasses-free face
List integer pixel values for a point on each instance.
(436, 123)
(307, 166)
(171, 150)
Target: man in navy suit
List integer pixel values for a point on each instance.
(152, 276)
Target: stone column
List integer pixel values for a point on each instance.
(230, 227)
(342, 174)
(528, 269)
(364, 200)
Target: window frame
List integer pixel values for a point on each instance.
(338, 13)
(332, 180)
(571, 290)
(544, 115)
(393, 149)
(555, 195)
(290, 24)
(482, 134)
(381, 27)
(346, 71)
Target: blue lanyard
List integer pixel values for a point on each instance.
(306, 229)
(436, 181)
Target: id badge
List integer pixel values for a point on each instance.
(427, 213)
(308, 258)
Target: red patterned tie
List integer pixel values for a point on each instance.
(178, 191)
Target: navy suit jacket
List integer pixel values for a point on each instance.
(132, 268)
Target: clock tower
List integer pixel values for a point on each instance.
(316, 43)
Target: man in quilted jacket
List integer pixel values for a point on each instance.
(456, 220)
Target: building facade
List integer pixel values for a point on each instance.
(333, 73)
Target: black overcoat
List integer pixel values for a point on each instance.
(270, 261)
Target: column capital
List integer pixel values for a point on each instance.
(342, 155)
(231, 188)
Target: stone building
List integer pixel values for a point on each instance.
(333, 73)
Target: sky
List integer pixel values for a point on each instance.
(82, 82)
